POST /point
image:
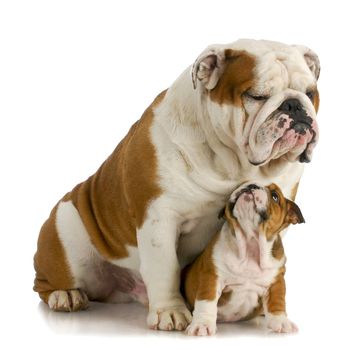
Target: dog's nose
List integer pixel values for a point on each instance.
(253, 187)
(291, 105)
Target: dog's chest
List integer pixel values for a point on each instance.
(197, 232)
(245, 286)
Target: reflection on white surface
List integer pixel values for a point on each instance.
(130, 319)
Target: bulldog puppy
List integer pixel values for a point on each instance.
(240, 274)
(244, 110)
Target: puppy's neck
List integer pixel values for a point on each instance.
(249, 244)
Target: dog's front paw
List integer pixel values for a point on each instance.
(280, 324)
(201, 328)
(169, 318)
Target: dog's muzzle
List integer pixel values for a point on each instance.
(300, 120)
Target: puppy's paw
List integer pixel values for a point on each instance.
(68, 300)
(201, 328)
(280, 324)
(169, 319)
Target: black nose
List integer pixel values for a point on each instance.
(253, 187)
(291, 105)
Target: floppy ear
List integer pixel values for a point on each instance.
(209, 66)
(311, 58)
(294, 215)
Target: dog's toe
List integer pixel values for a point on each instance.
(68, 300)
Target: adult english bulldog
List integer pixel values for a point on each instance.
(242, 111)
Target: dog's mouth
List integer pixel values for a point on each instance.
(281, 135)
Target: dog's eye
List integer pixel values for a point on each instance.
(257, 97)
(275, 196)
(310, 94)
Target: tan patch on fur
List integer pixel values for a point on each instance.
(224, 298)
(293, 192)
(112, 203)
(237, 77)
(199, 279)
(276, 213)
(277, 248)
(51, 266)
(316, 101)
(275, 298)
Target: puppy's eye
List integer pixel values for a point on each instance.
(257, 97)
(310, 94)
(275, 196)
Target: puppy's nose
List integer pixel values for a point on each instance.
(291, 105)
(253, 187)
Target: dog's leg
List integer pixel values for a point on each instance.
(54, 278)
(204, 318)
(157, 240)
(68, 300)
(274, 307)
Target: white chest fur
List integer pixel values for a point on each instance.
(244, 273)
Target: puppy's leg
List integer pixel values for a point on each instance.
(204, 318)
(274, 307)
(205, 310)
(157, 240)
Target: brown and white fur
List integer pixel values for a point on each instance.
(151, 208)
(241, 272)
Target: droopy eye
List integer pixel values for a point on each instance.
(275, 196)
(310, 94)
(257, 97)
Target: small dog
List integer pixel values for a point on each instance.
(240, 274)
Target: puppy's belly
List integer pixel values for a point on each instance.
(240, 304)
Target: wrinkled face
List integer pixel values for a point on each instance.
(262, 210)
(261, 98)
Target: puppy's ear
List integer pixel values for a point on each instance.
(294, 215)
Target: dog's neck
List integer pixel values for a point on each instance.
(249, 245)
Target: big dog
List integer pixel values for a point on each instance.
(242, 111)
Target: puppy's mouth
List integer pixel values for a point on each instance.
(249, 197)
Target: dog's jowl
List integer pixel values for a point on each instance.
(243, 111)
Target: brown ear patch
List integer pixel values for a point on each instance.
(316, 101)
(236, 78)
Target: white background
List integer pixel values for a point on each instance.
(74, 75)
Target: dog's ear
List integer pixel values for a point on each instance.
(294, 214)
(311, 58)
(208, 67)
